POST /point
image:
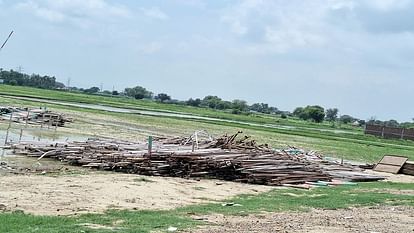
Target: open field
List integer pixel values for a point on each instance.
(92, 201)
(308, 135)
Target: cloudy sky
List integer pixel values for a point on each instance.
(356, 55)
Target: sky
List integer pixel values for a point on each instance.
(355, 55)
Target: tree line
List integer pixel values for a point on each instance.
(313, 113)
(19, 79)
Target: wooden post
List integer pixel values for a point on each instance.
(382, 131)
(50, 122)
(196, 140)
(43, 120)
(149, 145)
(21, 134)
(8, 128)
(192, 146)
(27, 117)
(402, 133)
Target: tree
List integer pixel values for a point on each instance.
(239, 106)
(392, 123)
(194, 102)
(260, 107)
(211, 102)
(331, 114)
(138, 92)
(163, 97)
(91, 90)
(315, 113)
(298, 112)
(346, 119)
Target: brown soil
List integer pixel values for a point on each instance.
(400, 178)
(374, 219)
(99, 191)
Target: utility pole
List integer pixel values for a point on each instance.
(20, 69)
(101, 87)
(68, 84)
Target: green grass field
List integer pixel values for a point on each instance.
(341, 142)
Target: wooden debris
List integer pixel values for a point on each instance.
(226, 158)
(408, 168)
(33, 116)
(390, 163)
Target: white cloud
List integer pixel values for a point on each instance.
(192, 3)
(151, 48)
(155, 13)
(386, 5)
(277, 26)
(75, 11)
(285, 39)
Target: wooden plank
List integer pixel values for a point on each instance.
(390, 164)
(387, 168)
(393, 160)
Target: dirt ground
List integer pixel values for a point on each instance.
(99, 191)
(373, 219)
(400, 178)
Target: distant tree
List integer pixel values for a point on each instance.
(91, 90)
(222, 105)
(331, 114)
(391, 123)
(275, 110)
(115, 92)
(106, 92)
(212, 102)
(346, 119)
(260, 107)
(194, 102)
(283, 116)
(315, 113)
(138, 92)
(239, 106)
(59, 85)
(298, 112)
(361, 122)
(162, 97)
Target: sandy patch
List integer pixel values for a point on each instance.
(374, 219)
(97, 192)
(401, 178)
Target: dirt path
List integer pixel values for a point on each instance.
(374, 219)
(98, 191)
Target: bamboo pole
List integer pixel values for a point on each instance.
(8, 129)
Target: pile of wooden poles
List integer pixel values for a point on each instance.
(226, 158)
(34, 116)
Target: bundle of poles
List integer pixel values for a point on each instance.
(227, 158)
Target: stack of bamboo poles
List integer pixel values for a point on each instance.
(226, 158)
(34, 116)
